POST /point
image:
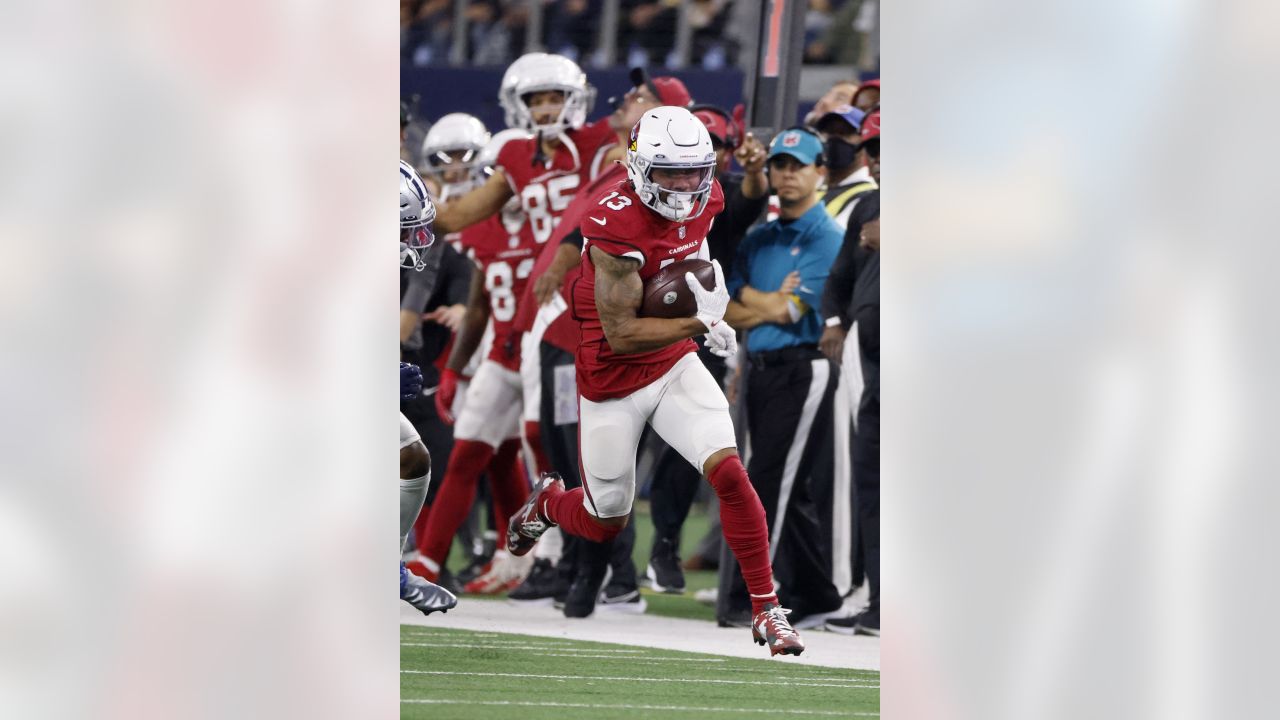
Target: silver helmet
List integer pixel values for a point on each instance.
(417, 213)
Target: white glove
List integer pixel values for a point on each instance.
(711, 303)
(722, 340)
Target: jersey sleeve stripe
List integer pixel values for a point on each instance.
(635, 252)
(511, 183)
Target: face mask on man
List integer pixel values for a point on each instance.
(840, 154)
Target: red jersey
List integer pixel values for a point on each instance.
(546, 188)
(506, 260)
(620, 225)
(563, 331)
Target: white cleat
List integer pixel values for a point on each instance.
(426, 596)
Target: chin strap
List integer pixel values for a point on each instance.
(539, 158)
(573, 150)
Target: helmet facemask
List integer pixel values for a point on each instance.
(573, 113)
(679, 199)
(453, 153)
(454, 161)
(414, 242)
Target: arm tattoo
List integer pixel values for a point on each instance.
(618, 289)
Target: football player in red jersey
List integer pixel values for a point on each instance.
(636, 370)
(458, 150)
(549, 96)
(487, 434)
(551, 335)
(557, 259)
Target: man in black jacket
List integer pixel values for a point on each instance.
(863, 309)
(837, 310)
(837, 300)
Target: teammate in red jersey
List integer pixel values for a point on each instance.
(487, 434)
(634, 370)
(549, 96)
(558, 262)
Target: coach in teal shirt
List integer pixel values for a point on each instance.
(802, 240)
(790, 386)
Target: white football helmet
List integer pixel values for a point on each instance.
(456, 141)
(507, 91)
(671, 138)
(536, 72)
(417, 213)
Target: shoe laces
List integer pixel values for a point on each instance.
(777, 617)
(534, 527)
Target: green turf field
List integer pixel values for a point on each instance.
(449, 673)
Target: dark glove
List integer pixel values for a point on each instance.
(410, 381)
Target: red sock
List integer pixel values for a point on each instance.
(510, 488)
(566, 510)
(454, 498)
(533, 436)
(745, 529)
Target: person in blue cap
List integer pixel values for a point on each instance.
(848, 172)
(776, 284)
(849, 183)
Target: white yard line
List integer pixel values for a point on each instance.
(523, 646)
(653, 631)
(666, 661)
(803, 682)
(424, 634)
(684, 708)
(630, 659)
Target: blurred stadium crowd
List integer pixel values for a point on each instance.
(828, 493)
(495, 32)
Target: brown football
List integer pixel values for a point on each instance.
(667, 295)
